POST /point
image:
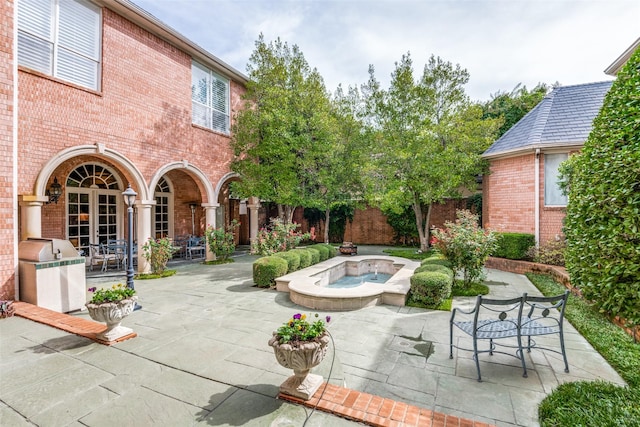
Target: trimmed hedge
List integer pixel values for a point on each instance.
(292, 258)
(305, 257)
(435, 268)
(514, 245)
(315, 255)
(266, 269)
(323, 249)
(430, 288)
(437, 260)
(333, 251)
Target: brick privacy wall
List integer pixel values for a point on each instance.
(370, 227)
(143, 110)
(7, 198)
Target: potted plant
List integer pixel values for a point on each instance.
(111, 305)
(301, 345)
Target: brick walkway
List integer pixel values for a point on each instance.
(343, 402)
(74, 325)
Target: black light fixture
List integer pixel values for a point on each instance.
(130, 199)
(193, 207)
(54, 191)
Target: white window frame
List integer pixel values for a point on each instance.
(204, 112)
(553, 195)
(64, 59)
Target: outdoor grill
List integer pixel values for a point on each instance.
(52, 274)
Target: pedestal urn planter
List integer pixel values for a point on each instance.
(112, 314)
(301, 359)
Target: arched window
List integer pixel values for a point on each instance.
(163, 224)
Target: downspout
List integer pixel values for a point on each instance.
(536, 209)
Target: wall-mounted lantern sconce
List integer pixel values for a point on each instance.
(54, 191)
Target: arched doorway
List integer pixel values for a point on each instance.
(94, 203)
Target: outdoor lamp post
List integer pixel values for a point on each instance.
(130, 199)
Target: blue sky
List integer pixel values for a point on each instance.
(500, 42)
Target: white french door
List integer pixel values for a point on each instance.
(94, 201)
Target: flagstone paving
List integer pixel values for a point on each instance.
(201, 357)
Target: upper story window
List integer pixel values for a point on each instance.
(209, 99)
(61, 38)
(553, 195)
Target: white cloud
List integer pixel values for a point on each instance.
(500, 42)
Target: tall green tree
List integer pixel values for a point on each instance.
(602, 224)
(427, 139)
(283, 135)
(512, 106)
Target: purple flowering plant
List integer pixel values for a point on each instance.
(298, 329)
(113, 294)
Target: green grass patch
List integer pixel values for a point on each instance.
(146, 276)
(474, 290)
(444, 305)
(594, 403)
(591, 403)
(219, 261)
(409, 253)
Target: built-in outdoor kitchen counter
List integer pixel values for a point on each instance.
(52, 274)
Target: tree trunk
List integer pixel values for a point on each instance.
(326, 225)
(422, 225)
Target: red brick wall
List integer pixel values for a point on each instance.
(7, 197)
(143, 111)
(508, 195)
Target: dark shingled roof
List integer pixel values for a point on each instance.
(563, 117)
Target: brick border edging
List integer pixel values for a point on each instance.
(560, 274)
(377, 411)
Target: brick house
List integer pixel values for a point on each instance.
(521, 194)
(97, 96)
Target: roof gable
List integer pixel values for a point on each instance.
(563, 117)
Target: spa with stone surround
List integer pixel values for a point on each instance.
(313, 287)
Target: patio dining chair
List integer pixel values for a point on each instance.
(544, 316)
(100, 255)
(195, 244)
(493, 320)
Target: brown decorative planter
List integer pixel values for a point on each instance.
(112, 314)
(348, 248)
(301, 359)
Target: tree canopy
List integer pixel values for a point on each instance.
(427, 138)
(512, 106)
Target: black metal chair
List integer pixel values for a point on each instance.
(545, 316)
(493, 319)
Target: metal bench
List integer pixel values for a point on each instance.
(511, 320)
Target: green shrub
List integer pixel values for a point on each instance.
(513, 245)
(266, 269)
(315, 254)
(221, 240)
(436, 260)
(158, 252)
(466, 245)
(430, 288)
(551, 253)
(305, 257)
(602, 223)
(323, 249)
(434, 267)
(332, 249)
(292, 258)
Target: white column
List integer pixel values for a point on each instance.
(253, 205)
(210, 221)
(144, 232)
(31, 215)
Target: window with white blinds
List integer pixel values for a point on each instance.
(61, 38)
(553, 194)
(209, 99)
